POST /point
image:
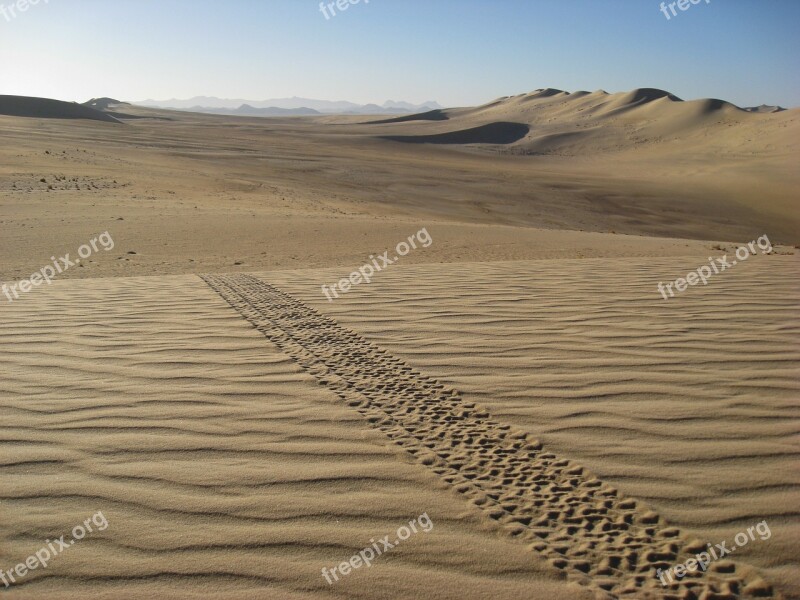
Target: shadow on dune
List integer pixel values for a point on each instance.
(641, 95)
(125, 116)
(44, 108)
(710, 105)
(431, 115)
(493, 133)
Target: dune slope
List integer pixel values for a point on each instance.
(45, 108)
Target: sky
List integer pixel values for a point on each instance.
(457, 52)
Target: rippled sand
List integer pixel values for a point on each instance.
(222, 468)
(226, 471)
(688, 404)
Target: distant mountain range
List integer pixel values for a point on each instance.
(287, 106)
(659, 102)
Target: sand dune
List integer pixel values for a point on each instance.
(105, 103)
(586, 123)
(266, 186)
(765, 108)
(44, 108)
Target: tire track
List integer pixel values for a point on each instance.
(579, 524)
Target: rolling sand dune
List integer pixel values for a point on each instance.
(587, 123)
(44, 108)
(521, 381)
(269, 185)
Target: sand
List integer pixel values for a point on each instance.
(521, 380)
(689, 405)
(201, 193)
(222, 468)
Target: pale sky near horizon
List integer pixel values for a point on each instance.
(457, 52)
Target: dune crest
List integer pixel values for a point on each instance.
(585, 124)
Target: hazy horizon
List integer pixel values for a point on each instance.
(455, 53)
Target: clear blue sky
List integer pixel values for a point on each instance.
(459, 52)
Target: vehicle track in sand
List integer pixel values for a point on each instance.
(582, 526)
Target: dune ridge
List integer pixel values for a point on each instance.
(584, 123)
(45, 108)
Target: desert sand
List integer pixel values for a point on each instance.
(521, 380)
